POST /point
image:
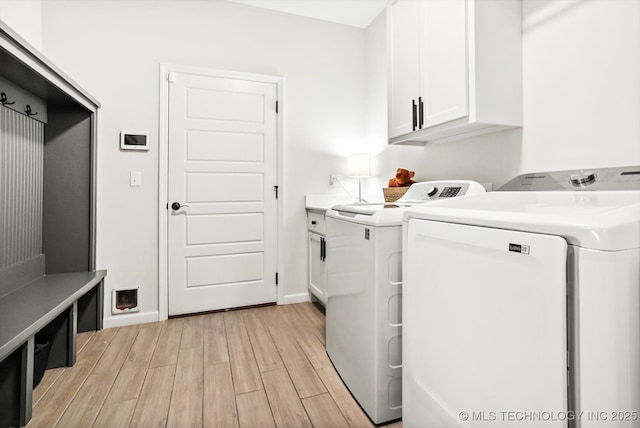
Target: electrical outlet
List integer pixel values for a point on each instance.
(333, 180)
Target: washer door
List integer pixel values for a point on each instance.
(484, 327)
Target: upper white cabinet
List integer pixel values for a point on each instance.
(454, 68)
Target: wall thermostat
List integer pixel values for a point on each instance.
(134, 140)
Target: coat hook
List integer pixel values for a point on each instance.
(27, 110)
(4, 101)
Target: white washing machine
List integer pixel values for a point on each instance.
(521, 306)
(364, 285)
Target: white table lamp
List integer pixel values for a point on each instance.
(360, 167)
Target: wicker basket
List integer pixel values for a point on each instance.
(392, 194)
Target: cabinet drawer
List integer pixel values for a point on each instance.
(315, 222)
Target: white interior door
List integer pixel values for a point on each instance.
(222, 222)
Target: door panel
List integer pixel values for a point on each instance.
(232, 106)
(222, 169)
(484, 323)
(225, 187)
(224, 228)
(444, 67)
(224, 147)
(403, 21)
(223, 269)
(317, 268)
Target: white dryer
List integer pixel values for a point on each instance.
(521, 306)
(364, 286)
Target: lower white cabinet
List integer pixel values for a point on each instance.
(317, 252)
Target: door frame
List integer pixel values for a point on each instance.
(163, 172)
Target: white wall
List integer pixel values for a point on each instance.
(113, 50)
(25, 18)
(582, 84)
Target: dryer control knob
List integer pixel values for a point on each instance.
(432, 191)
(582, 179)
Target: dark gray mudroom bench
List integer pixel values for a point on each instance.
(49, 286)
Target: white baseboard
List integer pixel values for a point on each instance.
(295, 298)
(122, 320)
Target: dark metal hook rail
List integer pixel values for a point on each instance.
(4, 101)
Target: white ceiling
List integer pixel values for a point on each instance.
(357, 13)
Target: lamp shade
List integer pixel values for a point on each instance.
(359, 165)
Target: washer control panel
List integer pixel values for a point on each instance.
(619, 178)
(450, 192)
(431, 190)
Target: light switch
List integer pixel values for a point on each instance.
(135, 179)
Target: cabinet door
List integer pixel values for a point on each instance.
(317, 269)
(492, 302)
(443, 60)
(403, 23)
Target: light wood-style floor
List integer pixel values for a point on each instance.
(258, 367)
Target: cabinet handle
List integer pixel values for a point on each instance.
(323, 249)
(313, 222)
(421, 114)
(415, 115)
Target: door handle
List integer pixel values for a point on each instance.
(176, 206)
(415, 114)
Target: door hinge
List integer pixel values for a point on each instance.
(171, 77)
(276, 278)
(276, 107)
(275, 189)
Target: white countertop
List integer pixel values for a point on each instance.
(322, 202)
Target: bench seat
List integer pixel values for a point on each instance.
(56, 306)
(30, 308)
